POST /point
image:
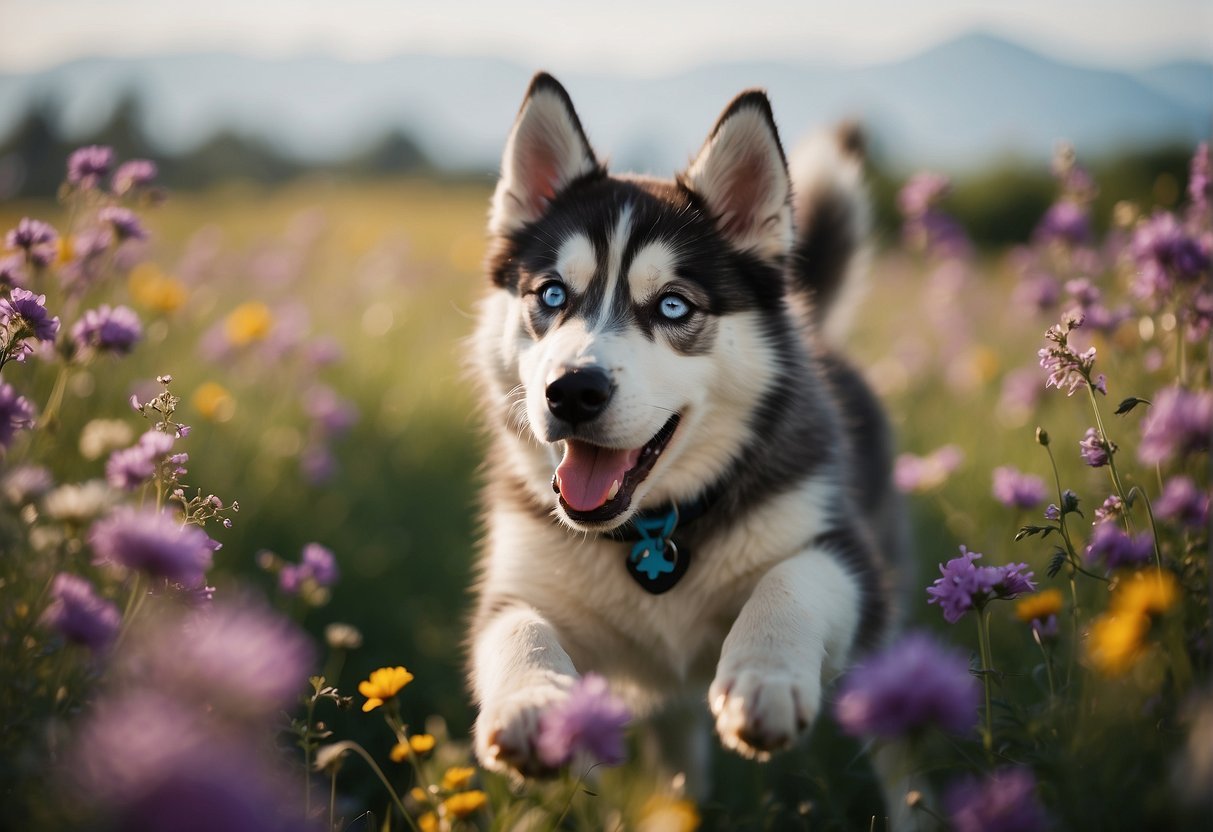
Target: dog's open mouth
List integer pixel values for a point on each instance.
(595, 484)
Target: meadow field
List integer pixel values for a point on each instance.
(312, 333)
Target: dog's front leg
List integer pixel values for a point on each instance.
(520, 669)
(799, 621)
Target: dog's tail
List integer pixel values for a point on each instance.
(833, 223)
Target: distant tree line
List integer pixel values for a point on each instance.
(32, 154)
(998, 205)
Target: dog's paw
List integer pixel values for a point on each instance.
(761, 710)
(507, 731)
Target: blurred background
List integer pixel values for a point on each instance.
(328, 168)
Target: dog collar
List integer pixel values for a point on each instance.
(655, 561)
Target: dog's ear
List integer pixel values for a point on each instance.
(547, 150)
(742, 176)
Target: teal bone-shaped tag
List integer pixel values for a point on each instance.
(654, 554)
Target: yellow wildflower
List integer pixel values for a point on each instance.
(428, 822)
(1148, 593)
(1118, 641)
(465, 803)
(664, 814)
(457, 777)
(1041, 605)
(247, 323)
(213, 402)
(64, 250)
(418, 744)
(154, 289)
(419, 795)
(1118, 638)
(384, 683)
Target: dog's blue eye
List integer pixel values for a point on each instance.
(674, 307)
(553, 296)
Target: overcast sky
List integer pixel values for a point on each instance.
(635, 36)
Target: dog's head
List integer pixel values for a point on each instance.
(628, 335)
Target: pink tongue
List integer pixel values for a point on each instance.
(587, 473)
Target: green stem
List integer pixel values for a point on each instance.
(572, 795)
(392, 717)
(1075, 631)
(983, 639)
(362, 752)
(1103, 437)
(1061, 511)
(56, 398)
(332, 798)
(1048, 665)
(307, 758)
(133, 604)
(1153, 528)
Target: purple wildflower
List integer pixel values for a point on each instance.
(1183, 501)
(1179, 422)
(88, 165)
(1067, 367)
(1095, 452)
(1114, 548)
(12, 272)
(124, 222)
(323, 351)
(16, 413)
(1005, 802)
(916, 474)
(1090, 302)
(1069, 503)
(29, 312)
(964, 586)
(907, 687)
(137, 173)
(1037, 288)
(108, 329)
(317, 564)
(79, 614)
(317, 463)
(1015, 489)
(1112, 508)
(36, 239)
(131, 467)
(1020, 394)
(1166, 254)
(921, 193)
(88, 260)
(329, 412)
(591, 721)
(152, 542)
(238, 657)
(147, 762)
(926, 227)
(1065, 222)
(1046, 630)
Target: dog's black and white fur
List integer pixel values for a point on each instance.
(650, 345)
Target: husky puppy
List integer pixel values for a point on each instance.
(687, 491)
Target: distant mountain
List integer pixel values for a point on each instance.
(954, 106)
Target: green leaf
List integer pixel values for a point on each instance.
(1130, 403)
(1058, 561)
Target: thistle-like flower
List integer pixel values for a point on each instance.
(965, 586)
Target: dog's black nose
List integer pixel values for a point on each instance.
(579, 394)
